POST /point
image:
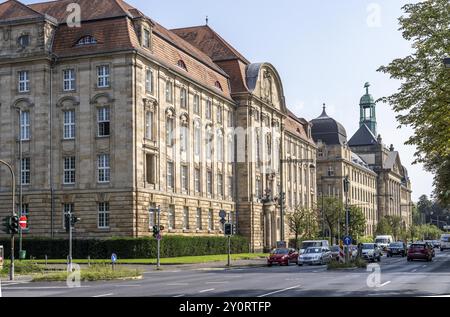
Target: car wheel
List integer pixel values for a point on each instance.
(269, 264)
(299, 264)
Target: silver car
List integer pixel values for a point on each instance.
(315, 255)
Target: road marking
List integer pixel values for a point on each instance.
(206, 290)
(384, 284)
(413, 271)
(280, 291)
(40, 287)
(177, 284)
(424, 266)
(179, 296)
(224, 282)
(104, 295)
(133, 285)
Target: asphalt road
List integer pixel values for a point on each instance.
(397, 278)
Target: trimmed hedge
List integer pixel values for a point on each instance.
(128, 248)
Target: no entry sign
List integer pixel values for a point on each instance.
(23, 222)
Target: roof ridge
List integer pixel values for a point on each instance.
(24, 6)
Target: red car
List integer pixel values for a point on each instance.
(420, 251)
(282, 257)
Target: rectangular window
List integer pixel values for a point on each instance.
(330, 171)
(184, 178)
(169, 92)
(25, 132)
(184, 135)
(103, 121)
(186, 218)
(169, 132)
(69, 170)
(209, 182)
(208, 109)
(198, 219)
(170, 175)
(149, 81)
(103, 76)
(24, 81)
(197, 138)
(104, 169)
(211, 220)
(69, 79)
(150, 165)
(25, 171)
(258, 189)
(67, 210)
(69, 125)
(171, 217)
(183, 98)
(230, 119)
(219, 114)
(220, 185)
(149, 125)
(197, 180)
(25, 211)
(197, 104)
(103, 215)
(152, 216)
(230, 148)
(146, 40)
(230, 186)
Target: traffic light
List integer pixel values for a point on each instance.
(74, 220)
(14, 224)
(67, 222)
(346, 184)
(6, 224)
(228, 229)
(234, 230)
(70, 220)
(155, 231)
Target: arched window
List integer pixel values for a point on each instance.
(230, 146)
(218, 85)
(209, 142)
(87, 40)
(219, 145)
(182, 64)
(197, 138)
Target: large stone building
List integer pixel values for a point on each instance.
(393, 184)
(116, 115)
(335, 161)
(379, 183)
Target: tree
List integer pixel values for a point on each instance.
(334, 214)
(357, 225)
(383, 227)
(303, 222)
(422, 101)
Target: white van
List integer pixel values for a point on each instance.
(313, 243)
(384, 241)
(445, 242)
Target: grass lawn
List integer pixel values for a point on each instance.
(166, 261)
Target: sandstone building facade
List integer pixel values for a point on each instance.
(115, 116)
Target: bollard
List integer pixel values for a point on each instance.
(46, 261)
(89, 260)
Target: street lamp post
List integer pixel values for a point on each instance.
(13, 213)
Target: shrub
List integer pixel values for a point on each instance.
(130, 248)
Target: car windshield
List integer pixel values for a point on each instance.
(310, 244)
(381, 240)
(417, 246)
(313, 250)
(280, 251)
(368, 246)
(445, 239)
(396, 245)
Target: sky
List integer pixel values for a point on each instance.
(324, 50)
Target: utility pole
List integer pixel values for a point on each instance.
(20, 186)
(69, 223)
(346, 189)
(229, 243)
(158, 260)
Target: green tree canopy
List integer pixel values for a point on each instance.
(423, 101)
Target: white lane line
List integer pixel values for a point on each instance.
(224, 282)
(134, 285)
(424, 266)
(104, 295)
(280, 291)
(413, 271)
(384, 284)
(179, 296)
(177, 284)
(206, 290)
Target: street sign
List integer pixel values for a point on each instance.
(23, 222)
(222, 214)
(347, 241)
(158, 237)
(114, 258)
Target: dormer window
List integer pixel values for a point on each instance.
(181, 64)
(146, 39)
(87, 40)
(218, 85)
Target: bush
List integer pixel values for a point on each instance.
(356, 263)
(130, 248)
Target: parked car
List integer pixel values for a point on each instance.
(397, 248)
(282, 257)
(437, 244)
(445, 242)
(313, 243)
(335, 252)
(371, 252)
(420, 251)
(384, 241)
(315, 255)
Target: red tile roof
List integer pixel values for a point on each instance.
(12, 9)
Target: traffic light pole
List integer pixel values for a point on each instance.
(158, 260)
(13, 189)
(229, 245)
(69, 268)
(346, 188)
